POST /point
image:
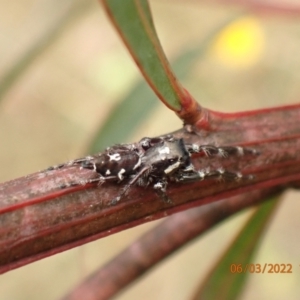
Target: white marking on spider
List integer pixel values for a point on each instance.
(189, 168)
(196, 148)
(240, 150)
(107, 172)
(137, 164)
(120, 174)
(172, 168)
(223, 153)
(115, 156)
(160, 186)
(221, 171)
(201, 175)
(239, 176)
(165, 150)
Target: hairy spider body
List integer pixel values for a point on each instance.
(155, 161)
(115, 163)
(166, 157)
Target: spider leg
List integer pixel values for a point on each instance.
(225, 151)
(126, 188)
(160, 188)
(84, 161)
(219, 174)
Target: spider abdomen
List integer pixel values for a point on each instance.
(118, 164)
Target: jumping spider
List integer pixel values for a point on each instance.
(154, 161)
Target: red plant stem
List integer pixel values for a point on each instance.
(158, 244)
(38, 218)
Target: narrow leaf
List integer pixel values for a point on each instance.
(134, 23)
(228, 277)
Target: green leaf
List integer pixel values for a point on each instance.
(133, 21)
(226, 283)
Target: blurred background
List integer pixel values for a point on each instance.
(63, 71)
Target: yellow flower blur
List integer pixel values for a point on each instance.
(240, 44)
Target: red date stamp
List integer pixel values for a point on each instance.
(261, 268)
